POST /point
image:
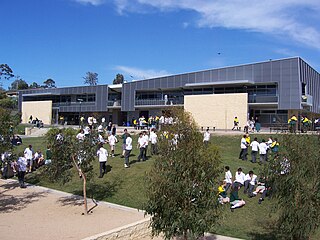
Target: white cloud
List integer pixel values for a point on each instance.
(286, 52)
(92, 2)
(280, 18)
(137, 73)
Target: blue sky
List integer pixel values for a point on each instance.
(64, 39)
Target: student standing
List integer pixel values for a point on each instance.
(28, 154)
(124, 136)
(128, 149)
(244, 148)
(146, 138)
(102, 153)
(112, 142)
(263, 151)
(141, 146)
(228, 178)
(206, 137)
(254, 150)
(154, 140)
(22, 168)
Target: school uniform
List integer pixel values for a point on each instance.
(102, 153)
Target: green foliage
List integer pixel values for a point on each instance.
(34, 85)
(9, 103)
(91, 78)
(119, 79)
(181, 196)
(298, 190)
(49, 83)
(67, 148)
(6, 130)
(19, 84)
(5, 71)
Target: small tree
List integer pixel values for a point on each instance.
(49, 83)
(91, 78)
(19, 84)
(69, 154)
(296, 181)
(119, 79)
(182, 197)
(34, 85)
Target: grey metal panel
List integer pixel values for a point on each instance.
(239, 72)
(171, 82)
(248, 72)
(206, 76)
(231, 73)
(222, 74)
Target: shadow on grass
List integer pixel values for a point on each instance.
(269, 232)
(14, 202)
(98, 191)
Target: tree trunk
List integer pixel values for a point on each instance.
(84, 186)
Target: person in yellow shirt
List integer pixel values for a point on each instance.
(292, 123)
(235, 123)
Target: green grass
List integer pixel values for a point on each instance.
(127, 186)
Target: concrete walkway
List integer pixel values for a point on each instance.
(46, 214)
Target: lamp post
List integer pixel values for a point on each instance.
(80, 100)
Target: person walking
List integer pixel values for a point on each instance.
(22, 168)
(124, 137)
(128, 149)
(102, 153)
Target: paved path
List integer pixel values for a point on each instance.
(46, 214)
(41, 213)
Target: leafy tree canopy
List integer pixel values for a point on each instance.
(182, 197)
(34, 85)
(119, 79)
(91, 78)
(19, 84)
(49, 83)
(296, 186)
(5, 71)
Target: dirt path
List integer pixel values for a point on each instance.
(39, 213)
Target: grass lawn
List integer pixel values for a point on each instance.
(126, 186)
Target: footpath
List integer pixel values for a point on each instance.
(46, 214)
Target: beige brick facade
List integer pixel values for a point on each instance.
(38, 109)
(218, 110)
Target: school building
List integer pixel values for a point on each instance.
(271, 90)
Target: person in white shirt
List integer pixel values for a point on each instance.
(154, 140)
(254, 150)
(80, 136)
(146, 138)
(227, 178)
(112, 142)
(22, 168)
(249, 183)
(244, 148)
(263, 151)
(240, 177)
(128, 149)
(102, 153)
(100, 129)
(206, 137)
(28, 154)
(141, 146)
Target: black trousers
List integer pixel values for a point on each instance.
(141, 154)
(102, 168)
(21, 175)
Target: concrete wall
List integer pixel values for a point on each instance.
(217, 110)
(38, 109)
(134, 231)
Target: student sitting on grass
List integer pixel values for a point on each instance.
(235, 201)
(222, 193)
